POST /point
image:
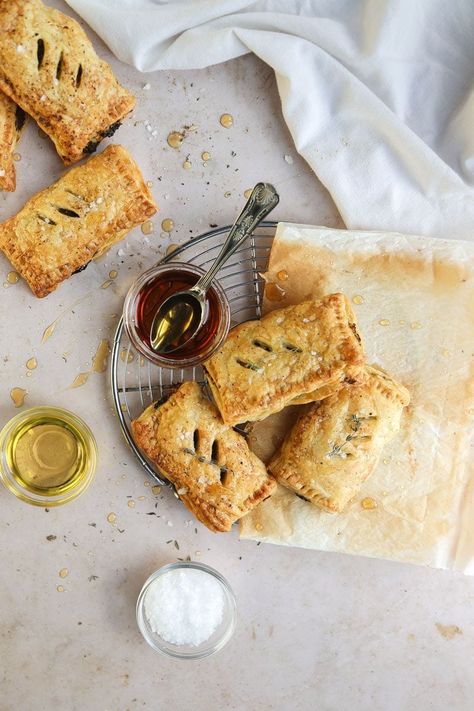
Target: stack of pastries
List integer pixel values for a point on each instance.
(310, 355)
(50, 71)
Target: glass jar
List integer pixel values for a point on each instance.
(48, 456)
(221, 635)
(147, 294)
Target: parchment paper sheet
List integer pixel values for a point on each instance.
(417, 321)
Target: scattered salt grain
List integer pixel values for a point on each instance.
(288, 159)
(20, 49)
(2, 173)
(146, 87)
(43, 97)
(184, 606)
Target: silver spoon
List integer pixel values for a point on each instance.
(181, 315)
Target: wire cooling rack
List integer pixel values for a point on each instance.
(136, 383)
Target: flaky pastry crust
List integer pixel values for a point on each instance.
(291, 356)
(336, 444)
(12, 120)
(49, 67)
(63, 227)
(211, 466)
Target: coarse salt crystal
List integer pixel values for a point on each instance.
(288, 159)
(183, 490)
(43, 97)
(20, 49)
(184, 606)
(99, 200)
(146, 87)
(2, 172)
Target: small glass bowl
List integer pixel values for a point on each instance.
(56, 494)
(179, 359)
(216, 641)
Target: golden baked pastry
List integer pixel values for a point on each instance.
(12, 120)
(49, 67)
(214, 472)
(285, 358)
(335, 446)
(63, 227)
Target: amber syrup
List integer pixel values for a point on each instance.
(153, 294)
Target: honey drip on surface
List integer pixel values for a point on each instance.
(126, 355)
(112, 517)
(273, 292)
(156, 488)
(205, 155)
(31, 363)
(167, 225)
(12, 277)
(227, 120)
(149, 183)
(18, 396)
(175, 139)
(63, 573)
(171, 248)
(60, 588)
(80, 380)
(384, 322)
(368, 503)
(446, 353)
(282, 275)
(106, 284)
(187, 165)
(415, 325)
(247, 193)
(48, 331)
(16, 157)
(113, 274)
(131, 504)
(358, 299)
(99, 363)
(147, 227)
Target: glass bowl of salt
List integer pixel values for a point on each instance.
(186, 610)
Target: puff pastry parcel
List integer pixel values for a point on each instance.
(12, 120)
(215, 474)
(48, 67)
(63, 227)
(291, 356)
(335, 446)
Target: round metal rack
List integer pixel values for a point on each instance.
(137, 383)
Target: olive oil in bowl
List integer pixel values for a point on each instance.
(48, 456)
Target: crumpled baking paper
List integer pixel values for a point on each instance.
(414, 302)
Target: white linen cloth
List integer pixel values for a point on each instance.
(378, 94)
